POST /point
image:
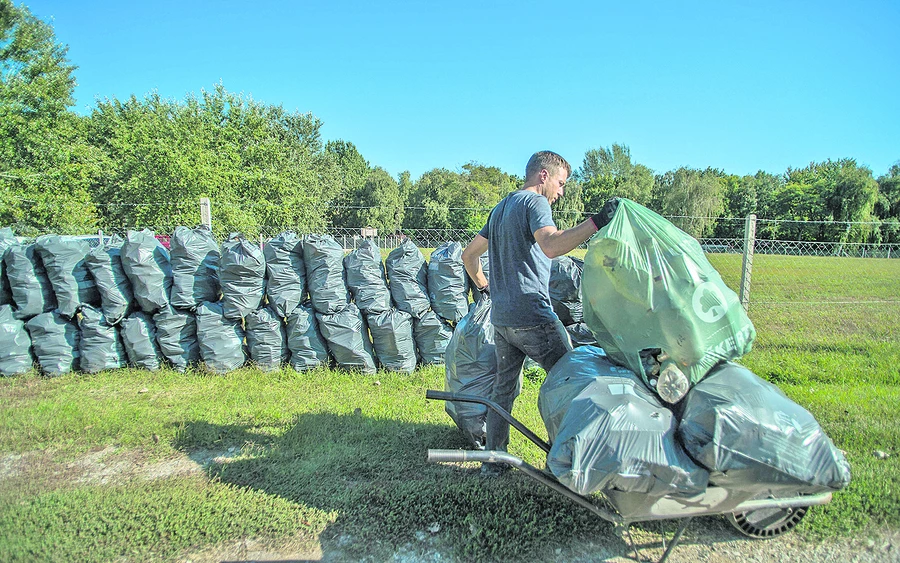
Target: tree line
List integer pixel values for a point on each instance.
(147, 161)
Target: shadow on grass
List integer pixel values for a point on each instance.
(373, 475)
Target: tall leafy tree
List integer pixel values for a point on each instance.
(845, 192)
(46, 166)
(487, 185)
(377, 203)
(443, 199)
(439, 200)
(887, 205)
(609, 172)
(353, 170)
(568, 210)
(692, 198)
(264, 168)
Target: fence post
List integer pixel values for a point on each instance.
(206, 212)
(747, 269)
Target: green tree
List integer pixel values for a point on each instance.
(443, 199)
(263, 167)
(692, 199)
(46, 166)
(795, 204)
(406, 186)
(609, 172)
(439, 200)
(376, 204)
(487, 185)
(568, 210)
(887, 205)
(353, 170)
(845, 192)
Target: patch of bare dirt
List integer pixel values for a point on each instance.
(106, 466)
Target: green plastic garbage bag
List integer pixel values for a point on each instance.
(105, 264)
(7, 239)
(100, 345)
(55, 342)
(647, 285)
(15, 344)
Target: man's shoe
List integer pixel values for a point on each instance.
(493, 469)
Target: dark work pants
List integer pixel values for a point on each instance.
(545, 344)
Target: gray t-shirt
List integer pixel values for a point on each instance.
(520, 271)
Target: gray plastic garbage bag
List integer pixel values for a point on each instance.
(63, 259)
(194, 256)
(366, 280)
(348, 339)
(221, 339)
(432, 335)
(649, 285)
(146, 263)
(100, 345)
(105, 265)
(754, 438)
(139, 338)
(609, 432)
(581, 335)
(565, 289)
(31, 289)
(7, 239)
(15, 344)
(471, 365)
(176, 335)
(447, 283)
(285, 273)
(486, 268)
(324, 260)
(408, 279)
(242, 271)
(392, 338)
(55, 342)
(308, 349)
(266, 339)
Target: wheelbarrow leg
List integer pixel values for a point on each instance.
(675, 539)
(637, 554)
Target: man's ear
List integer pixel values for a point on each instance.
(544, 174)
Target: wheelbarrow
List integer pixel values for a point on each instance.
(753, 516)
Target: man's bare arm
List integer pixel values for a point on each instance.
(471, 258)
(557, 243)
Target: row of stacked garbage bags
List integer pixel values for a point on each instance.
(295, 300)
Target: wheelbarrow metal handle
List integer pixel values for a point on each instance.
(447, 396)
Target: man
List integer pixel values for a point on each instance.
(522, 239)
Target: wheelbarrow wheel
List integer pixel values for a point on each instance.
(767, 522)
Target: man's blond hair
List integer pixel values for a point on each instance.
(548, 160)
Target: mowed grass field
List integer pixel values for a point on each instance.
(133, 465)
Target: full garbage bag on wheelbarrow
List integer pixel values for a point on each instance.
(647, 285)
(753, 437)
(470, 368)
(609, 432)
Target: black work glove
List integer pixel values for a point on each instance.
(485, 291)
(605, 215)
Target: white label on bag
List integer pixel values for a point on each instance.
(709, 302)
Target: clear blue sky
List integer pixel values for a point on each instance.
(740, 86)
